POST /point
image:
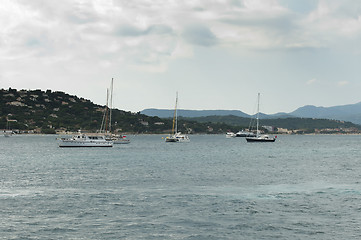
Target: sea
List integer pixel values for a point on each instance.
(299, 187)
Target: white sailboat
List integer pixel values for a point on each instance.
(8, 132)
(259, 137)
(176, 136)
(115, 138)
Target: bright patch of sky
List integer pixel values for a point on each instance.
(218, 54)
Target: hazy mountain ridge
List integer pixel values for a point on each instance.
(167, 113)
(349, 112)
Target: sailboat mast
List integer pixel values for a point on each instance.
(174, 127)
(106, 113)
(176, 115)
(103, 126)
(258, 113)
(111, 106)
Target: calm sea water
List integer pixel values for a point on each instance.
(300, 187)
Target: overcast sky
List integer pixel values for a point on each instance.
(218, 54)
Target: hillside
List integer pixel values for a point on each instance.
(53, 111)
(45, 111)
(306, 124)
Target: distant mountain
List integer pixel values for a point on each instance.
(168, 113)
(281, 120)
(350, 112)
(279, 115)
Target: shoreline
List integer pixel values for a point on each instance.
(161, 134)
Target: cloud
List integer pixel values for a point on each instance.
(312, 81)
(144, 33)
(343, 83)
(131, 31)
(199, 35)
(333, 22)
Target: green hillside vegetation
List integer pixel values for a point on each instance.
(309, 123)
(303, 125)
(52, 111)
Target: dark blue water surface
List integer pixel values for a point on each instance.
(300, 187)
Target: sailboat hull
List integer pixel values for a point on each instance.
(171, 139)
(255, 139)
(178, 137)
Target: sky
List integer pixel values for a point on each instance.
(217, 54)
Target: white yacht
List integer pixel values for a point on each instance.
(230, 135)
(83, 140)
